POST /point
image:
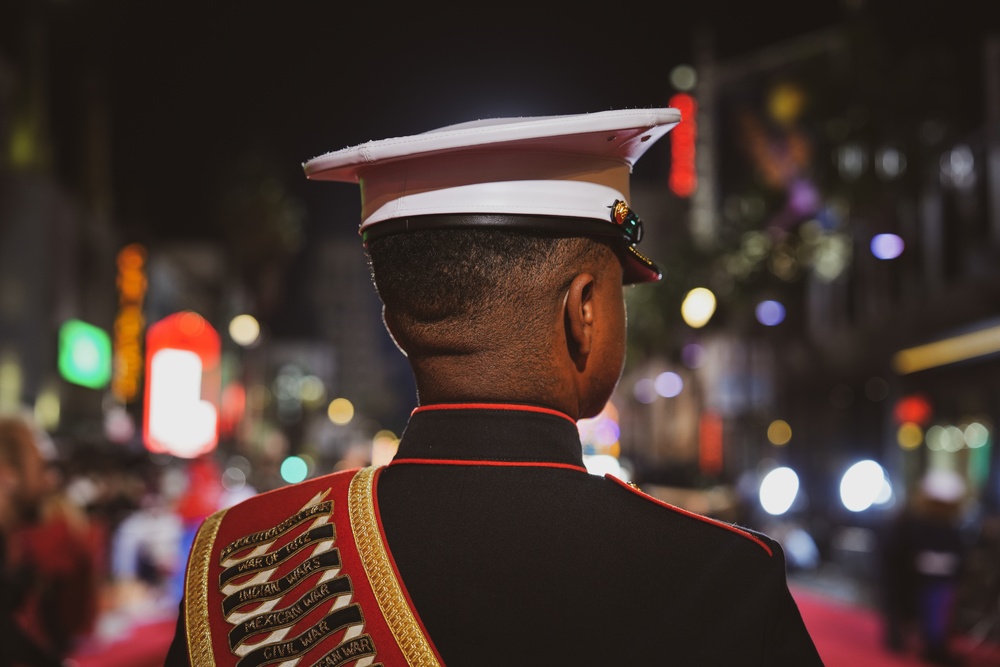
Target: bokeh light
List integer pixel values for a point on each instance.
(887, 246)
(340, 411)
(779, 432)
(294, 469)
(668, 384)
(935, 437)
(885, 493)
(683, 78)
(770, 313)
(915, 408)
(954, 439)
(48, 408)
(778, 490)
(600, 434)
(85, 356)
(604, 464)
(385, 443)
(244, 330)
(233, 479)
(909, 435)
(890, 163)
(958, 167)
(785, 102)
(862, 485)
(976, 435)
(698, 307)
(311, 390)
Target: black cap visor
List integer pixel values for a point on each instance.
(636, 267)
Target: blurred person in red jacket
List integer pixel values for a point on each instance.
(202, 496)
(48, 570)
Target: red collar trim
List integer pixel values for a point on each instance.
(493, 406)
(473, 462)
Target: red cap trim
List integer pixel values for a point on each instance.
(492, 406)
(512, 464)
(699, 517)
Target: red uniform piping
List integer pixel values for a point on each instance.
(473, 462)
(699, 517)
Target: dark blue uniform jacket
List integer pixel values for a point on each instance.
(513, 554)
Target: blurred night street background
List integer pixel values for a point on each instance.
(827, 216)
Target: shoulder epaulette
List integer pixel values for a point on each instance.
(714, 522)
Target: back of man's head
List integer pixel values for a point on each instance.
(499, 248)
(468, 290)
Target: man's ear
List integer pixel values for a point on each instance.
(579, 316)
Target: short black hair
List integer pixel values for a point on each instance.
(442, 282)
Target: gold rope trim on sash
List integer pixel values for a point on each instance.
(199, 633)
(411, 640)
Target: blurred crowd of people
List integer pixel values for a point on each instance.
(92, 543)
(50, 554)
(88, 550)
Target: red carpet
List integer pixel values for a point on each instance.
(845, 635)
(143, 645)
(850, 636)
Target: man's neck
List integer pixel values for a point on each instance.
(470, 380)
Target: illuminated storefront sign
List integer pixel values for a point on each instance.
(183, 386)
(129, 323)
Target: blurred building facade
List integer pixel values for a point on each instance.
(846, 216)
(57, 238)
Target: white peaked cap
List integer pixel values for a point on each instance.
(558, 170)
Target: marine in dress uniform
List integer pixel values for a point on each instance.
(499, 249)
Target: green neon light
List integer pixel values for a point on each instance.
(84, 354)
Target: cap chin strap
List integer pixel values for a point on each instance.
(637, 268)
(547, 225)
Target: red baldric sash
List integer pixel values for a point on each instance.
(301, 576)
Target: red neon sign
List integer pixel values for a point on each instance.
(710, 455)
(683, 173)
(183, 384)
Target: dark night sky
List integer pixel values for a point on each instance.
(193, 88)
(194, 85)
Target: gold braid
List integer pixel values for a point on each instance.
(199, 632)
(410, 638)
